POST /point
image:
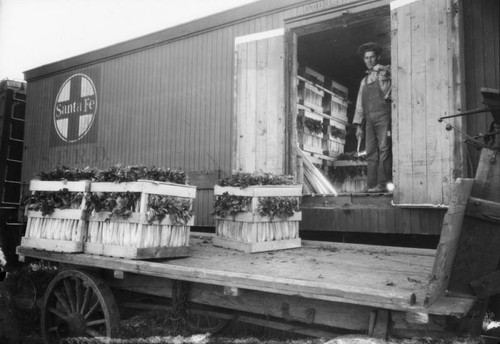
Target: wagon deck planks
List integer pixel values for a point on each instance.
(373, 276)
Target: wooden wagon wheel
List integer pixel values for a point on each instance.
(78, 304)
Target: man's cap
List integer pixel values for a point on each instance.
(371, 46)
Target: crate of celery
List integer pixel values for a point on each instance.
(142, 219)
(257, 212)
(55, 212)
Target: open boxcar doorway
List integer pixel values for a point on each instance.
(326, 72)
(421, 39)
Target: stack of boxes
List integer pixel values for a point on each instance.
(322, 117)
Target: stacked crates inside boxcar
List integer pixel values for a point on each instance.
(329, 74)
(322, 116)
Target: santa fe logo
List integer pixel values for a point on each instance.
(75, 108)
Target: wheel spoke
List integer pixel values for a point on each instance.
(52, 329)
(69, 294)
(96, 322)
(95, 333)
(86, 300)
(78, 291)
(62, 301)
(94, 307)
(57, 313)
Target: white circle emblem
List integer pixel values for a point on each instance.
(75, 108)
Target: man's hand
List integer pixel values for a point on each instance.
(359, 131)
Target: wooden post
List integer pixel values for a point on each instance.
(478, 254)
(448, 243)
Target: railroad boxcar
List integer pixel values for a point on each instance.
(219, 94)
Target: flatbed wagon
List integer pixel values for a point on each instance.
(227, 117)
(316, 289)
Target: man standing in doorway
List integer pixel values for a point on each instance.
(373, 108)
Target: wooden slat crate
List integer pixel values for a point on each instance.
(250, 232)
(311, 75)
(337, 108)
(337, 89)
(334, 147)
(62, 231)
(309, 141)
(350, 184)
(337, 123)
(310, 95)
(134, 237)
(304, 111)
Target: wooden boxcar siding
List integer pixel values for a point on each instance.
(481, 41)
(373, 220)
(372, 214)
(169, 105)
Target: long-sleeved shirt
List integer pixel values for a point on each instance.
(383, 75)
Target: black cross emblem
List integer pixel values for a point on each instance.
(75, 97)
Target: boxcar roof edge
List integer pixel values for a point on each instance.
(194, 27)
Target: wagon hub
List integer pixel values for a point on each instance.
(75, 326)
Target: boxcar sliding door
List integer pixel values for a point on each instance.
(427, 85)
(259, 110)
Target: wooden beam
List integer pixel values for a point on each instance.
(339, 315)
(283, 326)
(456, 306)
(483, 209)
(478, 252)
(381, 329)
(448, 243)
(203, 180)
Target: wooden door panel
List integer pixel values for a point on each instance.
(259, 103)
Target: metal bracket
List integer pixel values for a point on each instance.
(231, 291)
(310, 314)
(118, 274)
(483, 209)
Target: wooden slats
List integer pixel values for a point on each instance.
(353, 275)
(417, 122)
(261, 190)
(251, 217)
(426, 86)
(481, 53)
(401, 74)
(366, 218)
(79, 186)
(249, 231)
(259, 104)
(135, 218)
(70, 214)
(135, 237)
(434, 133)
(52, 245)
(146, 186)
